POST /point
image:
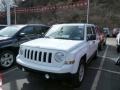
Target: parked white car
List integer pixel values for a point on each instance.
(118, 42)
(63, 52)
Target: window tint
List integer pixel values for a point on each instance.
(93, 30)
(28, 30)
(89, 31)
(41, 29)
(44, 29)
(37, 29)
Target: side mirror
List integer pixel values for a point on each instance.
(42, 35)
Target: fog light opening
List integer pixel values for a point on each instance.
(47, 76)
(23, 69)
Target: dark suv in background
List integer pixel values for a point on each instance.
(12, 36)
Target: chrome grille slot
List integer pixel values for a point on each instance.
(31, 54)
(40, 53)
(39, 56)
(28, 54)
(44, 56)
(25, 53)
(35, 58)
(49, 57)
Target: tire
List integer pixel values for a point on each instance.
(118, 49)
(95, 55)
(104, 44)
(99, 47)
(79, 77)
(7, 59)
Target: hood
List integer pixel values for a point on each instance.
(58, 44)
(4, 38)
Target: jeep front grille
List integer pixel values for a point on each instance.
(38, 56)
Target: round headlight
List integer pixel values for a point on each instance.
(59, 57)
(21, 51)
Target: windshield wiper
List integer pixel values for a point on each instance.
(46, 37)
(61, 38)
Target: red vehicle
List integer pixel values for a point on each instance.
(102, 38)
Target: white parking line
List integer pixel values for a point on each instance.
(110, 71)
(96, 80)
(4, 73)
(113, 59)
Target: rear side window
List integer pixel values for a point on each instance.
(89, 30)
(91, 33)
(41, 29)
(44, 29)
(93, 30)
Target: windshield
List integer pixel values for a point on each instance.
(9, 31)
(66, 32)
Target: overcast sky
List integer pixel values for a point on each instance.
(2, 5)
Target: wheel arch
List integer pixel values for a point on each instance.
(82, 59)
(14, 50)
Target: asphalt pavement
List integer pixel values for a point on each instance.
(101, 74)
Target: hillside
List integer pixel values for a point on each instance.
(102, 12)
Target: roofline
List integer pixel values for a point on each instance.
(74, 24)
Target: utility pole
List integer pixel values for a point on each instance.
(88, 10)
(15, 14)
(7, 2)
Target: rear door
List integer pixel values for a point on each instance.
(94, 40)
(89, 42)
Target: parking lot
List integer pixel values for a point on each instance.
(101, 74)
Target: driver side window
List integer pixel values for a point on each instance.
(28, 30)
(89, 31)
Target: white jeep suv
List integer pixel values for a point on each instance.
(63, 52)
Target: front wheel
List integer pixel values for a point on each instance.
(80, 75)
(118, 49)
(99, 46)
(7, 59)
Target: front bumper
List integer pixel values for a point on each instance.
(64, 71)
(47, 75)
